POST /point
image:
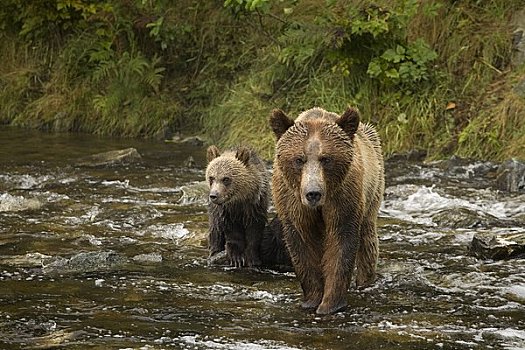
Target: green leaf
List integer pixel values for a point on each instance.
(392, 73)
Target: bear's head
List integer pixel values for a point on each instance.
(315, 151)
(227, 174)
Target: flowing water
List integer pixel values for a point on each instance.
(115, 258)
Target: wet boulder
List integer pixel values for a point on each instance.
(510, 176)
(465, 218)
(123, 156)
(498, 246)
(466, 168)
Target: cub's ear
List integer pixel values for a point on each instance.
(349, 121)
(243, 154)
(212, 152)
(280, 122)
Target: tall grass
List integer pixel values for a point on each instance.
(149, 69)
(452, 113)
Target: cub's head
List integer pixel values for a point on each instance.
(314, 152)
(227, 174)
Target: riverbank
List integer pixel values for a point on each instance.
(445, 78)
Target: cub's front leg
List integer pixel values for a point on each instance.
(235, 246)
(217, 228)
(253, 240)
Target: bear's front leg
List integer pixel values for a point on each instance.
(340, 248)
(306, 259)
(235, 246)
(217, 227)
(253, 239)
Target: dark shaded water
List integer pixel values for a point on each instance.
(115, 258)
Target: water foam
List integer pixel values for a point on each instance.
(418, 204)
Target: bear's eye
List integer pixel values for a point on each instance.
(227, 181)
(298, 162)
(211, 179)
(325, 160)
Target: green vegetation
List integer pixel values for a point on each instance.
(431, 74)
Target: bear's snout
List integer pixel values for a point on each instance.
(312, 185)
(313, 197)
(215, 198)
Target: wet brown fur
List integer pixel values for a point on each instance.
(338, 159)
(239, 197)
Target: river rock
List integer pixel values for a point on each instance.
(465, 218)
(148, 258)
(462, 167)
(510, 176)
(498, 246)
(190, 140)
(28, 260)
(219, 259)
(85, 262)
(122, 156)
(194, 193)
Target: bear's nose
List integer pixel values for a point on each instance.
(313, 196)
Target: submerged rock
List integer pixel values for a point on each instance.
(219, 259)
(498, 246)
(122, 156)
(148, 258)
(85, 262)
(510, 176)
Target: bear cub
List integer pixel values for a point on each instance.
(238, 204)
(327, 186)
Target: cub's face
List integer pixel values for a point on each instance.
(225, 175)
(222, 180)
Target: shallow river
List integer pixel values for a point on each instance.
(115, 258)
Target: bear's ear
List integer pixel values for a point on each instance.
(212, 152)
(280, 122)
(243, 154)
(349, 121)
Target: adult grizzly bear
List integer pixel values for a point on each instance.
(238, 204)
(328, 183)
